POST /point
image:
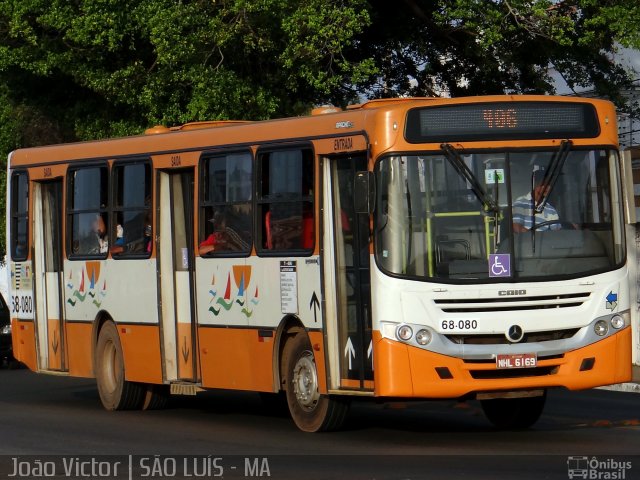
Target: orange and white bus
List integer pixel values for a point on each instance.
(388, 250)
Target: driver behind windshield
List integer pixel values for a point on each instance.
(524, 206)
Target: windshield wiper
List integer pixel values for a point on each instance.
(553, 172)
(458, 163)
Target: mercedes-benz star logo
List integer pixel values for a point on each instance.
(515, 333)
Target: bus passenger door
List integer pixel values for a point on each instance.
(176, 258)
(47, 258)
(347, 276)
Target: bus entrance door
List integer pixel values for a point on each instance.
(348, 275)
(47, 257)
(176, 258)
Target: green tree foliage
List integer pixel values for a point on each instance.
(82, 69)
(471, 47)
(114, 66)
(85, 69)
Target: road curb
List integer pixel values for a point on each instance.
(623, 387)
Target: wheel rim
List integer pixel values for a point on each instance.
(305, 382)
(110, 367)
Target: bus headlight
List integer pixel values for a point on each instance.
(404, 332)
(617, 322)
(423, 337)
(6, 330)
(601, 328)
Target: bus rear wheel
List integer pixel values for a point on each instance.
(514, 413)
(311, 411)
(116, 393)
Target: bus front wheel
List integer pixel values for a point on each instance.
(116, 393)
(311, 411)
(514, 413)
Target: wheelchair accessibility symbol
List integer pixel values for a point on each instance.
(499, 265)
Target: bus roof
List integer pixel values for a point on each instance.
(208, 135)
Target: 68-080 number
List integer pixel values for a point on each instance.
(22, 304)
(459, 325)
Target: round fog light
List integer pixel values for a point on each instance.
(404, 332)
(601, 328)
(423, 337)
(617, 321)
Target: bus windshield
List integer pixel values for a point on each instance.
(506, 216)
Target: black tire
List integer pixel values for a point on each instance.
(311, 411)
(156, 397)
(514, 413)
(116, 393)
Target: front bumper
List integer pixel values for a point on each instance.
(403, 370)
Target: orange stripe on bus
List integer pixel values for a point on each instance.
(24, 343)
(235, 359)
(141, 350)
(79, 349)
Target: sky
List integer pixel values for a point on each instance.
(629, 128)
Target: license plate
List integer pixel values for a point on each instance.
(519, 360)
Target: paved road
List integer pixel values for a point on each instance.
(62, 417)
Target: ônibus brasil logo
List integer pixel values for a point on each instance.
(597, 469)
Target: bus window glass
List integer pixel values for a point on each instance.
(286, 200)
(435, 221)
(87, 212)
(225, 212)
(19, 216)
(131, 230)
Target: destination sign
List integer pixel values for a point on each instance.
(501, 121)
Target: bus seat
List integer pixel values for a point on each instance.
(307, 230)
(294, 232)
(267, 229)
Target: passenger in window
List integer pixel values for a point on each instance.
(99, 230)
(147, 235)
(119, 235)
(118, 245)
(224, 237)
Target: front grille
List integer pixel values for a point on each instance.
(502, 304)
(513, 373)
(500, 339)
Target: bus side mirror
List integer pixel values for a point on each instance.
(364, 192)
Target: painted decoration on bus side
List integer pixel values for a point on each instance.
(241, 280)
(21, 276)
(93, 292)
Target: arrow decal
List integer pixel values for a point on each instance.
(54, 343)
(612, 301)
(350, 353)
(185, 350)
(314, 304)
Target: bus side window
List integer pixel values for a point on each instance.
(285, 200)
(225, 205)
(87, 212)
(131, 228)
(19, 216)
